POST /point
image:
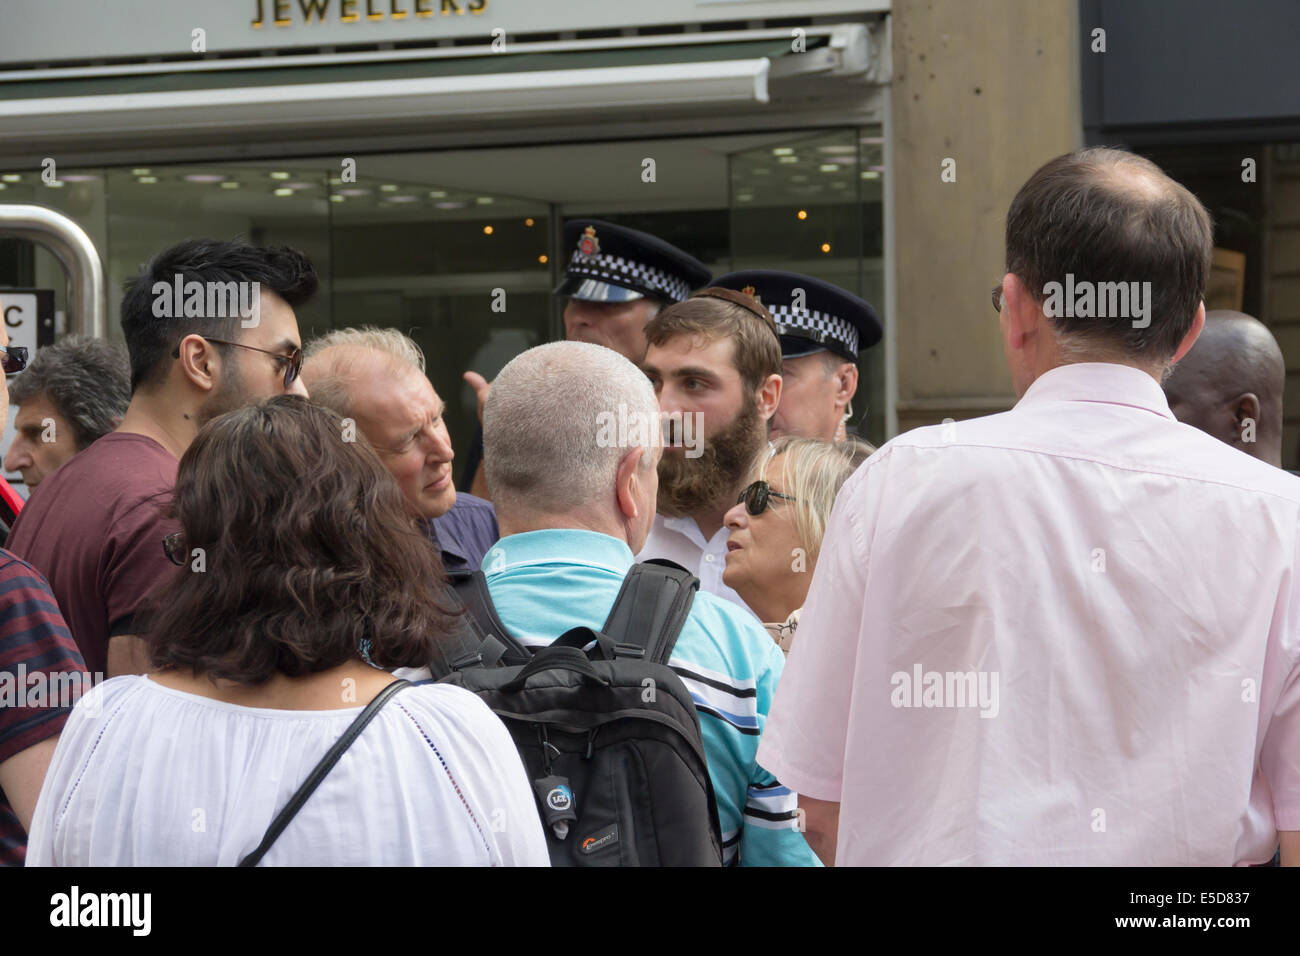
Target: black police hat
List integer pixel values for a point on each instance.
(615, 264)
(823, 317)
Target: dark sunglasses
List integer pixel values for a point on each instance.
(294, 358)
(757, 495)
(174, 546)
(997, 297)
(15, 358)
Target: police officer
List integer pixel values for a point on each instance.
(822, 328)
(616, 281)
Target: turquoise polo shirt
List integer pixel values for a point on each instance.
(544, 582)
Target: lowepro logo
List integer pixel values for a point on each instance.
(600, 839)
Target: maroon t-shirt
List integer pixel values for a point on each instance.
(94, 528)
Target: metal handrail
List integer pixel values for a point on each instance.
(74, 250)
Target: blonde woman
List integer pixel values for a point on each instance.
(778, 523)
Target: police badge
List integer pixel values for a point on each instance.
(588, 244)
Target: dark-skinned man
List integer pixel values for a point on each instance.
(1230, 385)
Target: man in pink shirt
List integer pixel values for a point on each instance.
(1068, 633)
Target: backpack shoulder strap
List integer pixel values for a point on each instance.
(651, 608)
(496, 644)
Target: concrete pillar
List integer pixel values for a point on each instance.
(993, 86)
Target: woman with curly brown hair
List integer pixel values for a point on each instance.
(304, 581)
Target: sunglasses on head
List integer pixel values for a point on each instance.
(15, 358)
(757, 496)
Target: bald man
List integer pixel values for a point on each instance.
(1230, 385)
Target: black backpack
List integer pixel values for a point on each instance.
(610, 738)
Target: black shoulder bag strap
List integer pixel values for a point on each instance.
(498, 645)
(650, 610)
(322, 771)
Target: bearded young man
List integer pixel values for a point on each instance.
(715, 360)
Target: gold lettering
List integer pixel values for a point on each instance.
(477, 6)
(282, 13)
(348, 9)
(261, 20)
(422, 8)
(318, 7)
(452, 4)
(370, 13)
(394, 13)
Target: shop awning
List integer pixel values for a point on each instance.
(328, 97)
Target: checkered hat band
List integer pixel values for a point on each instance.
(618, 270)
(818, 326)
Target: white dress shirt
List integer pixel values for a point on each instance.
(1065, 634)
(681, 541)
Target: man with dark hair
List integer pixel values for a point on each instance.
(74, 392)
(209, 326)
(1230, 385)
(1024, 652)
(715, 364)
